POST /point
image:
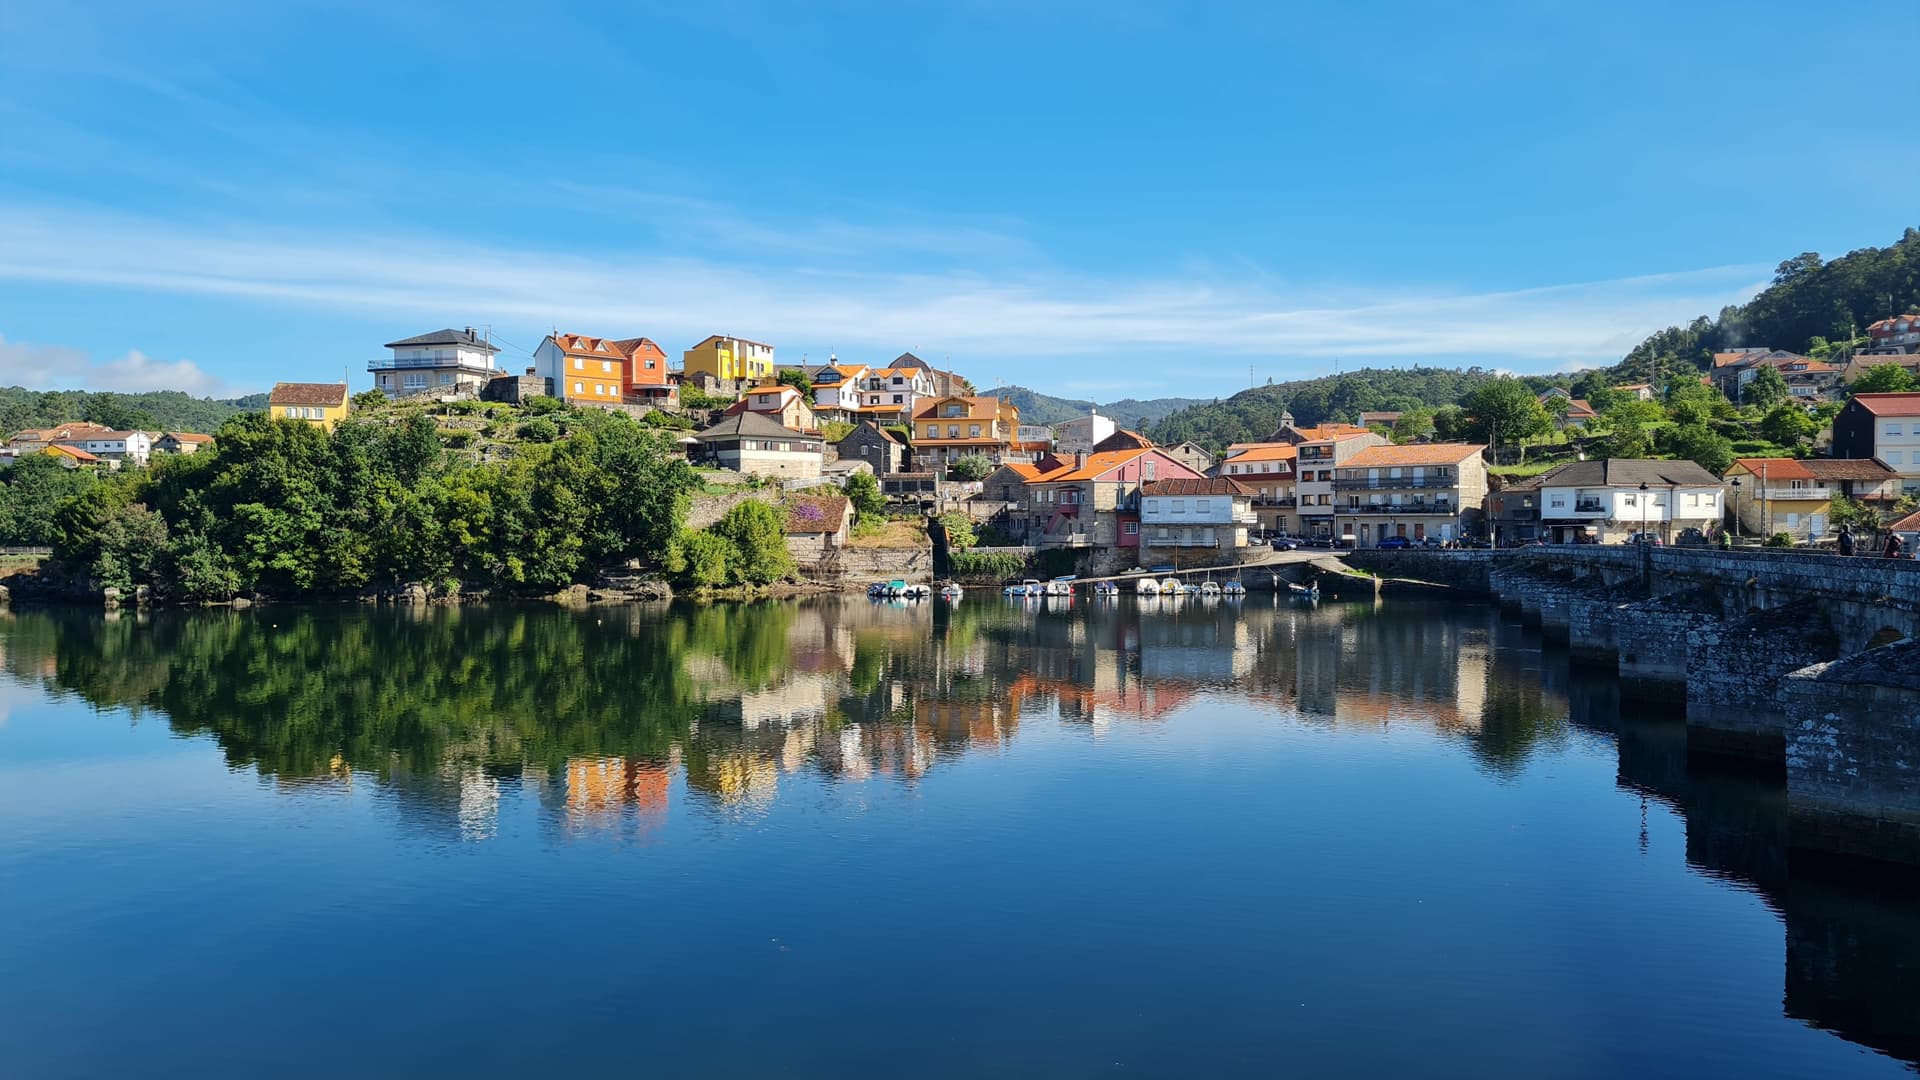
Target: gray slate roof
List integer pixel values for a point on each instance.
(1629, 472)
(753, 425)
(445, 337)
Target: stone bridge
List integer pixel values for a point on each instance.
(1784, 656)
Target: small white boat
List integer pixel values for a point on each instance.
(916, 592)
(1060, 586)
(1172, 587)
(1029, 587)
(1147, 587)
(951, 591)
(1209, 588)
(1105, 588)
(1233, 588)
(1309, 593)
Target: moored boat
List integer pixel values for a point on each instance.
(1147, 587)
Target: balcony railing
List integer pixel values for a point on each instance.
(1382, 483)
(1402, 509)
(1275, 500)
(406, 363)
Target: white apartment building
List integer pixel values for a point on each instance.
(443, 361)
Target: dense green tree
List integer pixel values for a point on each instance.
(960, 532)
(1413, 424)
(1700, 444)
(758, 533)
(863, 491)
(797, 379)
(1625, 441)
(1450, 423)
(1766, 389)
(1786, 424)
(1504, 411)
(970, 467)
(34, 487)
(702, 559)
(1887, 378)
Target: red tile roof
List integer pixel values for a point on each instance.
(1890, 404)
(1416, 454)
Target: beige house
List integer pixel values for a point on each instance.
(1431, 492)
(751, 443)
(1795, 495)
(781, 403)
(1315, 463)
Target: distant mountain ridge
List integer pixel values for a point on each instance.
(1038, 408)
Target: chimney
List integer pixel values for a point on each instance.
(1079, 459)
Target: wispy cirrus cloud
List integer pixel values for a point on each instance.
(1011, 316)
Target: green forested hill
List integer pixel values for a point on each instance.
(1811, 303)
(1251, 415)
(158, 410)
(1038, 408)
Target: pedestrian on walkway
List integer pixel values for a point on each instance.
(1894, 546)
(1846, 540)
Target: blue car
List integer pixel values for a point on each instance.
(1392, 543)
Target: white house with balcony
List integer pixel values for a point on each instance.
(1213, 513)
(1604, 502)
(442, 362)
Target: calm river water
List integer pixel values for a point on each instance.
(838, 839)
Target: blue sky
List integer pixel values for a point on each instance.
(1104, 199)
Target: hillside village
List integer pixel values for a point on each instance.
(1748, 444)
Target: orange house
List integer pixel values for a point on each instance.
(583, 370)
(647, 372)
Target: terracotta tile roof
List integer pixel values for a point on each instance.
(1368, 419)
(1890, 404)
(978, 408)
(61, 431)
(73, 452)
(1580, 407)
(1028, 470)
(1103, 462)
(189, 437)
(1910, 523)
(1417, 454)
(809, 514)
(1123, 440)
(582, 345)
(1774, 468)
(1869, 469)
(1324, 432)
(1265, 452)
(308, 393)
(1218, 485)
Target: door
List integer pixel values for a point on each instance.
(1816, 525)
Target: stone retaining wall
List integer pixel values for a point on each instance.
(1853, 754)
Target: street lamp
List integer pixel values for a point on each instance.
(1643, 512)
(1736, 507)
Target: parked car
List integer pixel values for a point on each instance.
(1285, 543)
(1642, 538)
(1394, 543)
(1690, 537)
(1318, 542)
(1343, 542)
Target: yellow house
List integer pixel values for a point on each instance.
(324, 404)
(730, 358)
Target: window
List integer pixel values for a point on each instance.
(606, 367)
(1202, 506)
(1153, 506)
(1893, 429)
(1177, 506)
(1632, 500)
(578, 363)
(293, 413)
(1558, 502)
(1793, 521)
(1151, 468)
(1895, 457)
(933, 430)
(897, 399)
(973, 431)
(579, 388)
(1130, 528)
